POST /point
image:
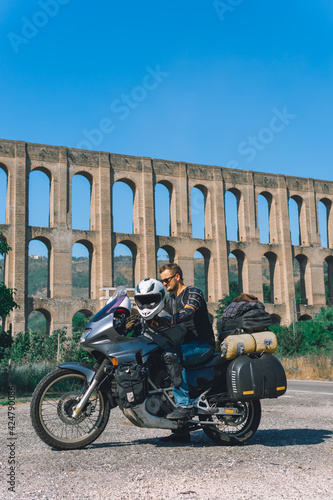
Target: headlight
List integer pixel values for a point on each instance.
(85, 335)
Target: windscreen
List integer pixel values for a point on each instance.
(108, 309)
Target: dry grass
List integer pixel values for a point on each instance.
(314, 367)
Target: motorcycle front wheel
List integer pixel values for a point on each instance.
(229, 430)
(52, 406)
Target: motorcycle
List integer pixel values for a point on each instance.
(70, 407)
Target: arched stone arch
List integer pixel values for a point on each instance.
(305, 317)
(39, 197)
(232, 214)
(82, 269)
(3, 193)
(170, 251)
(129, 183)
(264, 203)
(164, 255)
(129, 269)
(329, 280)
(173, 208)
(86, 175)
(276, 319)
(272, 259)
(3, 166)
(324, 211)
(44, 240)
(298, 222)
(41, 168)
(86, 312)
(300, 284)
(81, 190)
(294, 206)
(123, 193)
(47, 315)
(79, 319)
(198, 196)
(202, 276)
(41, 263)
(240, 257)
(162, 201)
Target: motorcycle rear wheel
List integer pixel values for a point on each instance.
(51, 411)
(234, 430)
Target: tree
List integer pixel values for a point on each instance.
(7, 302)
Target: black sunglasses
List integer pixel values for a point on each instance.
(166, 281)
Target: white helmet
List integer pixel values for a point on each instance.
(149, 297)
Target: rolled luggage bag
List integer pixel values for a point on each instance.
(236, 345)
(265, 342)
(246, 343)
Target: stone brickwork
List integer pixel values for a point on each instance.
(103, 169)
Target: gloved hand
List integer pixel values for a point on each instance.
(159, 322)
(133, 322)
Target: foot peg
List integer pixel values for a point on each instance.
(174, 368)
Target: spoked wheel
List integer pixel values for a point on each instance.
(52, 406)
(232, 430)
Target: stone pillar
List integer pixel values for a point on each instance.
(252, 270)
(246, 211)
(102, 215)
(287, 291)
(147, 252)
(311, 228)
(220, 260)
(315, 286)
(61, 251)
(181, 207)
(252, 267)
(18, 261)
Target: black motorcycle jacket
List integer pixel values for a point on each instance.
(195, 317)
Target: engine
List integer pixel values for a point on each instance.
(158, 405)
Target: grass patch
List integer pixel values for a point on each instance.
(24, 377)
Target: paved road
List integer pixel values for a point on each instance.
(311, 386)
(290, 457)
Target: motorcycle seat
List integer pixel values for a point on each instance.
(215, 360)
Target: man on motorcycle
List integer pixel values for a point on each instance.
(187, 306)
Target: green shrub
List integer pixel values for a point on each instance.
(33, 347)
(309, 337)
(34, 355)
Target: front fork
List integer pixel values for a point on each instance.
(100, 374)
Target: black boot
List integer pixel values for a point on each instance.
(174, 368)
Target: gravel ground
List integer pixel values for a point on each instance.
(290, 456)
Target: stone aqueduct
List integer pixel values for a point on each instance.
(103, 169)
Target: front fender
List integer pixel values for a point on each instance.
(86, 370)
(89, 373)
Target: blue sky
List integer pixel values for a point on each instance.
(239, 83)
